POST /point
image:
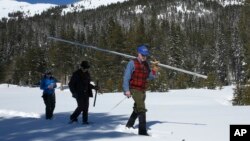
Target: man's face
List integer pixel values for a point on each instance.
(48, 75)
(84, 69)
(142, 57)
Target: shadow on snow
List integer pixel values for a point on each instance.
(28, 129)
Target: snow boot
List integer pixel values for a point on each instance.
(73, 120)
(131, 121)
(143, 132)
(142, 124)
(85, 119)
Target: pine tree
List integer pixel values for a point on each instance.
(1, 73)
(242, 95)
(61, 61)
(245, 36)
(176, 50)
(35, 65)
(221, 56)
(140, 32)
(211, 81)
(115, 41)
(242, 91)
(20, 74)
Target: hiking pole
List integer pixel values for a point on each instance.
(96, 93)
(117, 104)
(127, 56)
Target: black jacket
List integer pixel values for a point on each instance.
(79, 84)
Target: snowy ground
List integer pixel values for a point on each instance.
(178, 115)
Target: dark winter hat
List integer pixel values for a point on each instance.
(143, 49)
(48, 72)
(85, 65)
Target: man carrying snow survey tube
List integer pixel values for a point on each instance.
(135, 79)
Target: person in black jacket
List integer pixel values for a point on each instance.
(81, 90)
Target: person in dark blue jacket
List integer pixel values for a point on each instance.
(48, 85)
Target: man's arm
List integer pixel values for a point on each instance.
(42, 84)
(72, 84)
(127, 75)
(153, 70)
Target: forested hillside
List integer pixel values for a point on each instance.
(202, 36)
(242, 91)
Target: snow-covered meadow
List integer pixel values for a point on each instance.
(177, 115)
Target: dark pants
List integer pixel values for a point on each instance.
(50, 102)
(82, 106)
(139, 111)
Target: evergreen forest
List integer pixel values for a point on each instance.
(201, 36)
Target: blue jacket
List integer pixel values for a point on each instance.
(128, 73)
(48, 85)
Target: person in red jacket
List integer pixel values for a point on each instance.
(135, 78)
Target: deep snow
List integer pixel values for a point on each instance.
(190, 114)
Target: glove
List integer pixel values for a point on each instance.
(97, 88)
(74, 95)
(155, 65)
(45, 96)
(51, 86)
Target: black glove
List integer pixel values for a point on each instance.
(96, 88)
(74, 95)
(45, 96)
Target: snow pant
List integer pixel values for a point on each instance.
(139, 111)
(82, 106)
(50, 102)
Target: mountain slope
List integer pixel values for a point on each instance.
(29, 10)
(12, 6)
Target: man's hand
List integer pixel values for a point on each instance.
(51, 86)
(74, 95)
(128, 94)
(155, 65)
(97, 88)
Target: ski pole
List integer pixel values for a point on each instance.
(128, 56)
(96, 93)
(117, 104)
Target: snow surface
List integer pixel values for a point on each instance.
(225, 3)
(10, 6)
(88, 4)
(177, 115)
